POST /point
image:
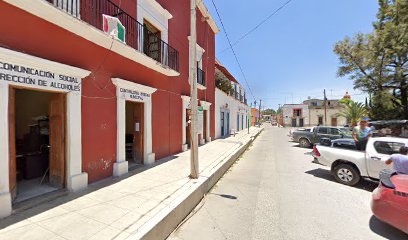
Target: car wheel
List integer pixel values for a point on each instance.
(346, 174)
(304, 143)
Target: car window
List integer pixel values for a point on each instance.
(387, 147)
(322, 130)
(334, 131)
(346, 132)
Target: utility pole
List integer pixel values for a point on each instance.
(194, 172)
(325, 107)
(259, 119)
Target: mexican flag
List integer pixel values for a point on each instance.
(113, 27)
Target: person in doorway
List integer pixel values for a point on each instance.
(361, 134)
(400, 161)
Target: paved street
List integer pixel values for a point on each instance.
(275, 192)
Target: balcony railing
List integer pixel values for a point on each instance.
(200, 77)
(137, 36)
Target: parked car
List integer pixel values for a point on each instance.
(298, 130)
(389, 201)
(309, 138)
(349, 165)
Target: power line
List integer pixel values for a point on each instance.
(232, 48)
(258, 25)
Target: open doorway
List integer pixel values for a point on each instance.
(134, 134)
(37, 142)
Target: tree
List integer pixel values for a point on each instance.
(269, 111)
(223, 83)
(378, 62)
(354, 112)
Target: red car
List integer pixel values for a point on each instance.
(390, 200)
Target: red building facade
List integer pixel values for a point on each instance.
(110, 103)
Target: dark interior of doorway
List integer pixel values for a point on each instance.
(134, 134)
(32, 150)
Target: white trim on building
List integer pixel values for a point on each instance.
(76, 179)
(144, 96)
(203, 9)
(153, 12)
(186, 105)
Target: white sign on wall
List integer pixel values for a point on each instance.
(27, 76)
(134, 95)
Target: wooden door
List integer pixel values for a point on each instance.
(57, 116)
(334, 122)
(12, 144)
(293, 122)
(138, 142)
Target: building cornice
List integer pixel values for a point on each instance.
(209, 19)
(49, 13)
(40, 63)
(157, 7)
(132, 85)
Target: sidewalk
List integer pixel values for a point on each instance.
(146, 203)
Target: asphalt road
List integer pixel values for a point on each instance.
(275, 192)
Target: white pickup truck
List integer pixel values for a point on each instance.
(348, 166)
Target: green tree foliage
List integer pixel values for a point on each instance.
(223, 83)
(378, 62)
(269, 112)
(353, 112)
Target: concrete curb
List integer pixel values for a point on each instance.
(164, 223)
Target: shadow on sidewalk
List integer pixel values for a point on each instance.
(364, 184)
(34, 206)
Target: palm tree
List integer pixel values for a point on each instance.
(354, 112)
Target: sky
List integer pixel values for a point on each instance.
(290, 57)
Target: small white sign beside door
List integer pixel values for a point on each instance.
(137, 127)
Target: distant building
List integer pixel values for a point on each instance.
(326, 116)
(274, 120)
(267, 118)
(313, 112)
(255, 116)
(295, 115)
(231, 110)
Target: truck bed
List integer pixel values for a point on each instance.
(328, 155)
